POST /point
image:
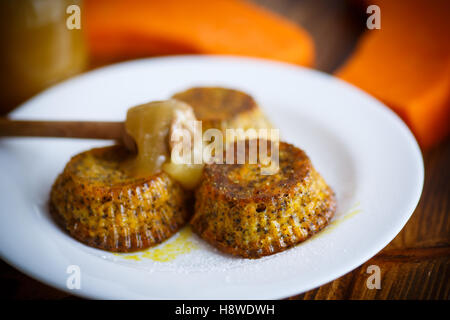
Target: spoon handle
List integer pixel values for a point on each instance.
(63, 129)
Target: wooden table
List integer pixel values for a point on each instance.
(415, 265)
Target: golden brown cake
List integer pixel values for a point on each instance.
(224, 108)
(244, 213)
(101, 205)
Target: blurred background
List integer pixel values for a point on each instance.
(396, 50)
(39, 49)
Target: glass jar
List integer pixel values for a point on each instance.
(38, 48)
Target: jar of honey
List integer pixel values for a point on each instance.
(42, 43)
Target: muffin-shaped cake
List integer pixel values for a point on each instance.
(243, 212)
(100, 204)
(223, 108)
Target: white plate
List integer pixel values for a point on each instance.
(364, 151)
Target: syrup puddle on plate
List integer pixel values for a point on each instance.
(353, 211)
(168, 251)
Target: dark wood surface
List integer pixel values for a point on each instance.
(415, 265)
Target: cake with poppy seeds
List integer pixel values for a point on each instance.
(243, 212)
(224, 108)
(102, 205)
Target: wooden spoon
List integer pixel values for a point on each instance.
(67, 129)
